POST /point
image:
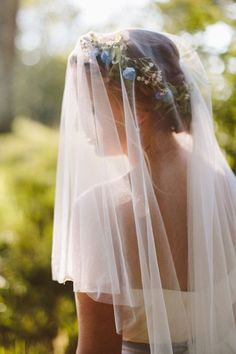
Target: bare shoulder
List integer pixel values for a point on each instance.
(96, 326)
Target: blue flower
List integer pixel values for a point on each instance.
(93, 53)
(166, 97)
(129, 73)
(106, 57)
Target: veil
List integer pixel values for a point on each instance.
(145, 201)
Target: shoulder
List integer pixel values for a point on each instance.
(114, 193)
(97, 331)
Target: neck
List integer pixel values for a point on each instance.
(159, 144)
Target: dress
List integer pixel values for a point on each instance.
(175, 316)
(143, 348)
(88, 224)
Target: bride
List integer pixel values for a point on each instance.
(145, 201)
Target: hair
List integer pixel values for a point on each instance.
(167, 57)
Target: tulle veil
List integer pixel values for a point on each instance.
(158, 246)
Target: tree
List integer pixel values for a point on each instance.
(7, 53)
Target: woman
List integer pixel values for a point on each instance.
(145, 208)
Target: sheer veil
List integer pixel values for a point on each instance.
(145, 201)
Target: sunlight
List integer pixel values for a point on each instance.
(217, 37)
(94, 12)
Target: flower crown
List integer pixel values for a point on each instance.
(113, 52)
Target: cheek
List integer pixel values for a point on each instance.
(118, 114)
(120, 125)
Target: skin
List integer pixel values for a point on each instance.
(97, 333)
(96, 324)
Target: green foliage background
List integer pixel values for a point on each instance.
(39, 89)
(34, 309)
(187, 16)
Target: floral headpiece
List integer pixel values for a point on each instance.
(113, 52)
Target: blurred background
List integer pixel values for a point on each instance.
(37, 315)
